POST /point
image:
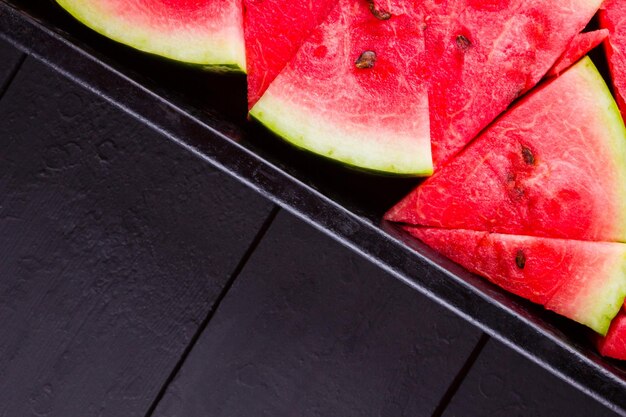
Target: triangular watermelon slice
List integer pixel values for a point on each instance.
(612, 17)
(274, 30)
(205, 32)
(614, 344)
(584, 281)
(485, 54)
(554, 166)
(580, 46)
(355, 91)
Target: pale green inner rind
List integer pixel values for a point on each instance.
(600, 305)
(613, 129)
(224, 49)
(303, 128)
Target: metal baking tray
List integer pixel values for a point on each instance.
(206, 114)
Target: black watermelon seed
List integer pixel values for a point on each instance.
(366, 60)
(380, 14)
(520, 259)
(463, 43)
(528, 156)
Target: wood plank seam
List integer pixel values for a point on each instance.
(458, 380)
(233, 277)
(4, 87)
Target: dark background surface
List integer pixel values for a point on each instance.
(136, 280)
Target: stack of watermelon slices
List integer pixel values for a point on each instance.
(534, 202)
(355, 90)
(473, 59)
(537, 202)
(352, 80)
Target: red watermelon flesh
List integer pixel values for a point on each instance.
(613, 344)
(355, 91)
(613, 17)
(553, 166)
(274, 30)
(584, 281)
(206, 32)
(580, 46)
(484, 54)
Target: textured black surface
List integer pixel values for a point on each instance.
(311, 329)
(502, 383)
(114, 244)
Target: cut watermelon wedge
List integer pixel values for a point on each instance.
(614, 344)
(554, 166)
(274, 30)
(612, 17)
(580, 46)
(485, 54)
(355, 93)
(584, 281)
(204, 32)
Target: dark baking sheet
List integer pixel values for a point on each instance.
(205, 114)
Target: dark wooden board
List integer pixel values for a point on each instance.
(312, 329)
(114, 245)
(502, 383)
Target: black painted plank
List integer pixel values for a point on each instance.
(10, 58)
(502, 383)
(114, 244)
(312, 329)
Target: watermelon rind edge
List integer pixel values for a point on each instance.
(615, 131)
(211, 53)
(404, 157)
(610, 298)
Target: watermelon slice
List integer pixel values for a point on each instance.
(580, 46)
(487, 53)
(355, 92)
(584, 281)
(205, 32)
(612, 18)
(614, 344)
(274, 30)
(553, 166)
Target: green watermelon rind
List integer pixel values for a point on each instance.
(598, 308)
(614, 130)
(398, 157)
(225, 53)
(614, 121)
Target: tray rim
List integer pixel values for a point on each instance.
(438, 279)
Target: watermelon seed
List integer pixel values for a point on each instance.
(516, 191)
(380, 14)
(520, 259)
(528, 156)
(366, 60)
(462, 42)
